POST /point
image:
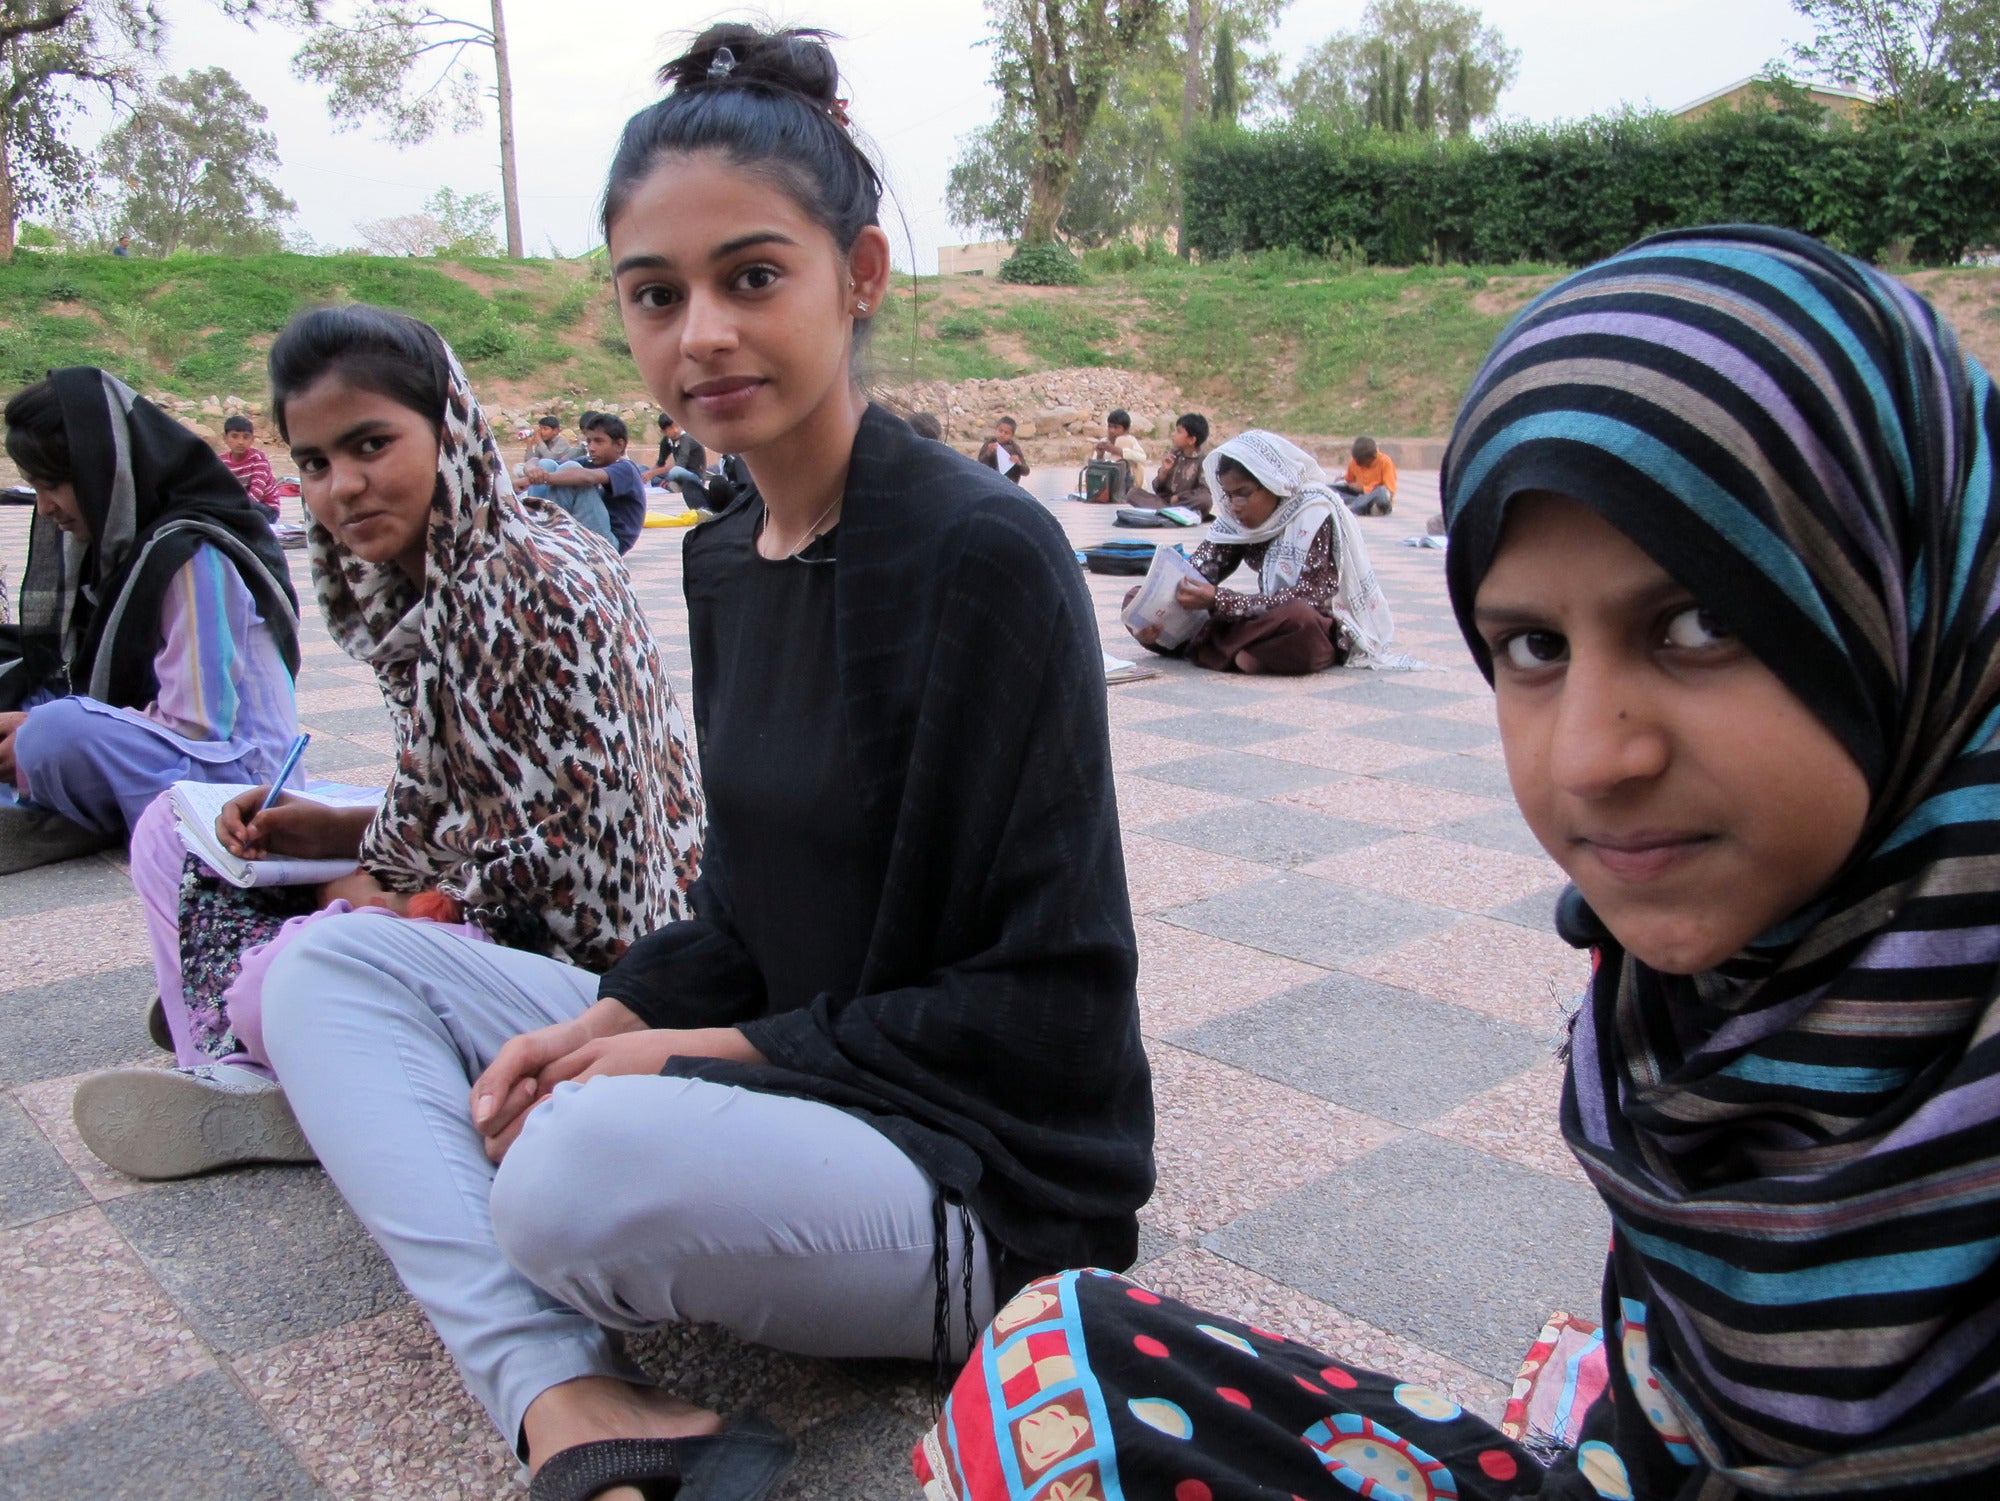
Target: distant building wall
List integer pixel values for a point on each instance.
(1846, 103)
(983, 259)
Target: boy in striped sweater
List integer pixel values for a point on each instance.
(243, 458)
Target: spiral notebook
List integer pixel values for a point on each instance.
(198, 804)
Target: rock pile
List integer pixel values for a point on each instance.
(509, 421)
(1053, 404)
(206, 417)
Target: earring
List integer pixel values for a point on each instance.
(860, 307)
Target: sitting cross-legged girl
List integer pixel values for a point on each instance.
(158, 636)
(544, 796)
(1317, 603)
(891, 1068)
(1725, 535)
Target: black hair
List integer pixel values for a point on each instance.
(1227, 465)
(1005, 422)
(1196, 425)
(924, 425)
(1364, 441)
(1119, 417)
(612, 427)
(769, 101)
(589, 416)
(667, 421)
(238, 425)
(37, 441)
(549, 421)
(391, 354)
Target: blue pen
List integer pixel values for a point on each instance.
(285, 772)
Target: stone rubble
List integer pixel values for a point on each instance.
(1051, 404)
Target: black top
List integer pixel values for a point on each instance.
(993, 1029)
(785, 822)
(692, 457)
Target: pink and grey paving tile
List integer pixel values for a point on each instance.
(1348, 987)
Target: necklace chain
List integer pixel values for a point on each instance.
(812, 532)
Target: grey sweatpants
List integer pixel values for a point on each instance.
(625, 1202)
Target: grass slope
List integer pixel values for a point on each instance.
(1284, 340)
(199, 325)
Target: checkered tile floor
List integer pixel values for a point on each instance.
(1350, 995)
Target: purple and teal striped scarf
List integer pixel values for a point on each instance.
(1800, 1151)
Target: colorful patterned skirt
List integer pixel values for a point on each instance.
(1089, 1388)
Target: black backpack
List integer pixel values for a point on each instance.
(1119, 557)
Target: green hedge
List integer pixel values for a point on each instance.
(1571, 194)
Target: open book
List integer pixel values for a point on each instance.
(1154, 603)
(198, 804)
(1124, 670)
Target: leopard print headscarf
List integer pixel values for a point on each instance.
(544, 773)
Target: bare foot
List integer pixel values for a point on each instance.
(597, 1407)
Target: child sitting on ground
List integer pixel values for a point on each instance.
(1369, 486)
(1317, 602)
(607, 494)
(1725, 537)
(1003, 453)
(243, 458)
(548, 448)
(1118, 443)
(1180, 481)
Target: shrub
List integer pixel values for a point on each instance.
(489, 341)
(961, 326)
(1046, 265)
(1573, 193)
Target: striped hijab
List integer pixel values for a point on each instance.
(1801, 1150)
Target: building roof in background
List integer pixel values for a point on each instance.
(1831, 95)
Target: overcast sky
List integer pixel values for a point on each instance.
(917, 79)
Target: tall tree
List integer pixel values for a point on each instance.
(400, 63)
(1399, 96)
(1126, 182)
(188, 168)
(1194, 37)
(1059, 59)
(57, 54)
(53, 54)
(1914, 55)
(1194, 28)
(1425, 109)
(1458, 109)
(1226, 101)
(1451, 34)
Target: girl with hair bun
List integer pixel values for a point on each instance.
(889, 1071)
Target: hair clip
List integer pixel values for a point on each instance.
(722, 64)
(838, 109)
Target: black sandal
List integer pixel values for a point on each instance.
(742, 1462)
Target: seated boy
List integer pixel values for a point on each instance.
(681, 463)
(549, 448)
(607, 494)
(1180, 481)
(1001, 451)
(1118, 443)
(1369, 486)
(243, 458)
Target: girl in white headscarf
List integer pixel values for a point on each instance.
(1317, 602)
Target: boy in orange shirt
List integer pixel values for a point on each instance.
(1369, 486)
